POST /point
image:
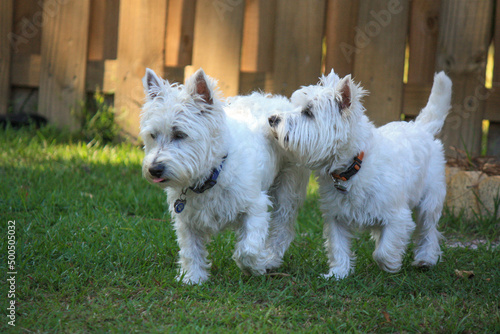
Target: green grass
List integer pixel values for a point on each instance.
(96, 253)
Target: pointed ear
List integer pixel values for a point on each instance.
(199, 86)
(152, 84)
(345, 91)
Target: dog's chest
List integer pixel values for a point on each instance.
(212, 211)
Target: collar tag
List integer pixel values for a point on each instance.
(342, 189)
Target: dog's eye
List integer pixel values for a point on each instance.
(178, 135)
(307, 111)
(154, 136)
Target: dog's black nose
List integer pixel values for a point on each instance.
(156, 170)
(274, 121)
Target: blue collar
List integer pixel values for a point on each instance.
(211, 181)
(180, 203)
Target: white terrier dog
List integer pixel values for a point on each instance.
(370, 177)
(220, 166)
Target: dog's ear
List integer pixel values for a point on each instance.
(199, 86)
(345, 92)
(152, 84)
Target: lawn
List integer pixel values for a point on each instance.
(96, 252)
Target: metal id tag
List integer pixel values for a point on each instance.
(339, 187)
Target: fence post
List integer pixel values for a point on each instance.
(341, 19)
(493, 147)
(423, 39)
(258, 36)
(6, 14)
(141, 39)
(218, 32)
(179, 34)
(464, 37)
(298, 44)
(64, 59)
(380, 55)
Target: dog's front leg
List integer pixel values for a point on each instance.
(193, 255)
(338, 247)
(250, 252)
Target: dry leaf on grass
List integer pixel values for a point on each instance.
(464, 273)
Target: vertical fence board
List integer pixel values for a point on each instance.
(63, 64)
(258, 36)
(140, 44)
(423, 39)
(493, 140)
(103, 29)
(380, 41)
(298, 44)
(28, 21)
(180, 33)
(464, 36)
(6, 15)
(218, 34)
(341, 20)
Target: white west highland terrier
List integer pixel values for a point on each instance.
(370, 177)
(220, 166)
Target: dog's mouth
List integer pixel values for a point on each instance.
(159, 180)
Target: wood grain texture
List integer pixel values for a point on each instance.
(381, 41)
(341, 19)
(28, 22)
(298, 45)
(62, 71)
(258, 36)
(103, 29)
(180, 33)
(423, 39)
(416, 96)
(493, 102)
(140, 45)
(6, 18)
(26, 70)
(217, 41)
(464, 37)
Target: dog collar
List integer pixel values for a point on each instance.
(348, 173)
(211, 181)
(180, 203)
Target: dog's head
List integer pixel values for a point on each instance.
(182, 128)
(322, 121)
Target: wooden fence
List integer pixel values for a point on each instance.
(53, 52)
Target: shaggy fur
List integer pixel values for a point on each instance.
(187, 131)
(402, 169)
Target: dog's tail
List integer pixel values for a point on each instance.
(432, 117)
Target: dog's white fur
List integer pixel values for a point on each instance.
(402, 169)
(187, 130)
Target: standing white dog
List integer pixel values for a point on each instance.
(220, 166)
(370, 177)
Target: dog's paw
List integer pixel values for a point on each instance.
(422, 264)
(191, 279)
(390, 267)
(336, 273)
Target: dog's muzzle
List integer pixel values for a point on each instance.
(156, 171)
(274, 121)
